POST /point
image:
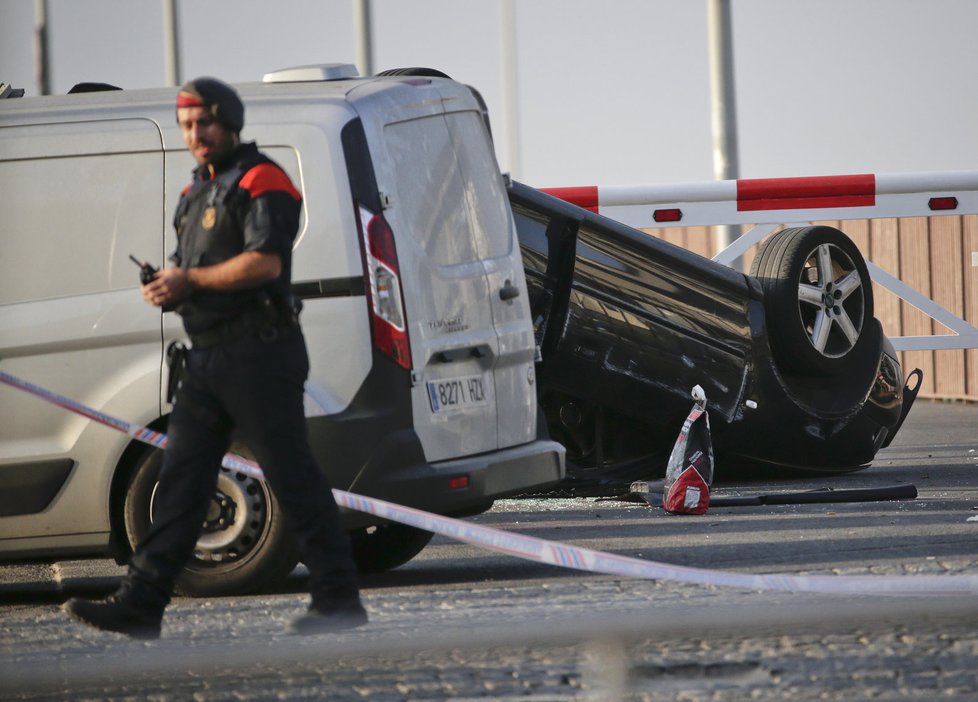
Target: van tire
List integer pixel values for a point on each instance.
(248, 556)
(791, 272)
(386, 546)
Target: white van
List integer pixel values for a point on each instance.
(421, 389)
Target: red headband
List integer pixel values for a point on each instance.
(188, 100)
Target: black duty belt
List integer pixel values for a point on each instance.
(240, 328)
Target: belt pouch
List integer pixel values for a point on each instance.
(176, 361)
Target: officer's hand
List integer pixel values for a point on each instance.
(168, 287)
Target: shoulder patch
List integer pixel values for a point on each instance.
(267, 177)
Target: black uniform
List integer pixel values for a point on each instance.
(245, 372)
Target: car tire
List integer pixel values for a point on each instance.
(386, 546)
(424, 72)
(251, 551)
(420, 71)
(818, 299)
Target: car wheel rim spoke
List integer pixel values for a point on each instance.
(848, 284)
(821, 330)
(847, 327)
(810, 294)
(825, 264)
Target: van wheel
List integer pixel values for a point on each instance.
(244, 545)
(818, 299)
(386, 546)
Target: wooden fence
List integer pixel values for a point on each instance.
(933, 255)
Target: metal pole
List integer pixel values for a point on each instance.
(510, 85)
(363, 34)
(724, 108)
(42, 76)
(171, 42)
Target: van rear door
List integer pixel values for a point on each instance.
(487, 205)
(471, 349)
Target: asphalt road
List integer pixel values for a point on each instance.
(462, 623)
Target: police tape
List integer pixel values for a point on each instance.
(552, 552)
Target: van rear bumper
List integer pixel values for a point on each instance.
(463, 486)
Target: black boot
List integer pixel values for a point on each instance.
(123, 612)
(331, 613)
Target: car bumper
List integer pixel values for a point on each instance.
(785, 431)
(462, 486)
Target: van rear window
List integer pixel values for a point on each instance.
(450, 195)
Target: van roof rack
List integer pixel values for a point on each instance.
(7, 92)
(322, 71)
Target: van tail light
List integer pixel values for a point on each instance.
(387, 320)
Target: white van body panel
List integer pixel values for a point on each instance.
(80, 327)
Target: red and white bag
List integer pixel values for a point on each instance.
(689, 472)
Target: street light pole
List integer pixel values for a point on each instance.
(726, 164)
(42, 75)
(363, 34)
(171, 42)
(510, 85)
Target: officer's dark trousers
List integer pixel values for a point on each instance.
(254, 388)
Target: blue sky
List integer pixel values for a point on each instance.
(613, 92)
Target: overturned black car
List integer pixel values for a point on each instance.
(797, 371)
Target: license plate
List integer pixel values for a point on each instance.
(449, 394)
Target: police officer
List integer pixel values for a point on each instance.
(235, 225)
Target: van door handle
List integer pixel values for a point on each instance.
(508, 292)
(453, 355)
